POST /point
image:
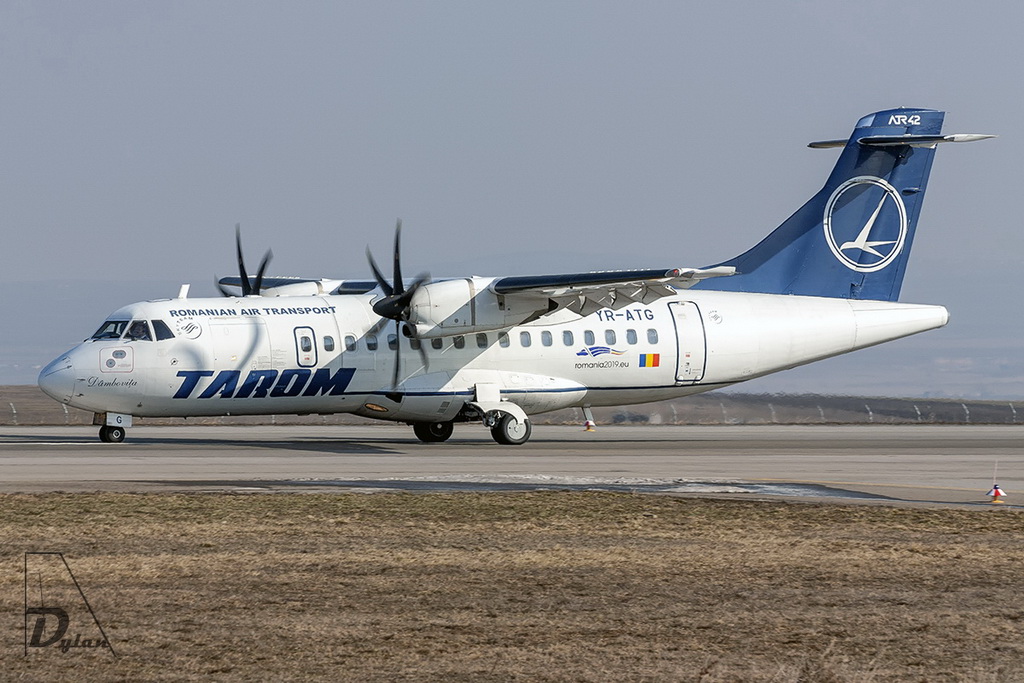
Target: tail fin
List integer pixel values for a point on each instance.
(852, 239)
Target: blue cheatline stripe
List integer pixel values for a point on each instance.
(542, 391)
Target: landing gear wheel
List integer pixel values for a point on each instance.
(509, 431)
(110, 434)
(433, 432)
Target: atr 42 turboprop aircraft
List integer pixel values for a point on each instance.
(496, 350)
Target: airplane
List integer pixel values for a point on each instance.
(435, 352)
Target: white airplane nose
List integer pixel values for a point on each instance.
(57, 380)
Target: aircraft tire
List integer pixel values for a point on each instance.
(110, 434)
(433, 432)
(511, 432)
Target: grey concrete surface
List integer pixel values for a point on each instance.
(893, 464)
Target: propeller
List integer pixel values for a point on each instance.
(249, 287)
(396, 304)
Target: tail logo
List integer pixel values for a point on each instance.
(865, 224)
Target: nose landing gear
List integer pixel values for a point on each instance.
(112, 426)
(109, 434)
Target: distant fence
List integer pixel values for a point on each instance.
(816, 409)
(27, 405)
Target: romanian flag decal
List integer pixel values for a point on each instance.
(650, 360)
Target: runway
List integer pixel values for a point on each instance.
(924, 464)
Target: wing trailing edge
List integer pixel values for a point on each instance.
(585, 293)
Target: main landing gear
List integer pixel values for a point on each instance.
(433, 432)
(506, 429)
(509, 431)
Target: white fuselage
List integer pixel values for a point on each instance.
(331, 354)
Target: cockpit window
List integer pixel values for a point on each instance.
(112, 329)
(138, 331)
(162, 331)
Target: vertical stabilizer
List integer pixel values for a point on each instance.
(852, 239)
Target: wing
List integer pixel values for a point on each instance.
(584, 293)
(298, 286)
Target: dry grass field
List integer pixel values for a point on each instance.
(547, 586)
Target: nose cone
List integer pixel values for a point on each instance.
(57, 380)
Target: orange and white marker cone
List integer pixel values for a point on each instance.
(996, 493)
(588, 417)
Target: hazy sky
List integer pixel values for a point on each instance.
(512, 138)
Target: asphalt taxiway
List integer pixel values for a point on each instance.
(916, 464)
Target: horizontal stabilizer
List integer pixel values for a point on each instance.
(903, 140)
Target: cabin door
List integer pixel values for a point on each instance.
(690, 340)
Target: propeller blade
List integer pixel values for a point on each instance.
(258, 286)
(242, 272)
(397, 302)
(249, 287)
(421, 279)
(384, 286)
(398, 356)
(399, 285)
(406, 331)
(423, 357)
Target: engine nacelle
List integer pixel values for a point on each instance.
(468, 305)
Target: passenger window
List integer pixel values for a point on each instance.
(652, 336)
(567, 338)
(392, 341)
(609, 337)
(481, 340)
(524, 339)
(350, 342)
(162, 331)
(138, 331)
(588, 337)
(306, 344)
(371, 342)
(415, 344)
(437, 343)
(631, 336)
(460, 342)
(328, 343)
(503, 339)
(545, 338)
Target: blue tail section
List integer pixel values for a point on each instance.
(853, 238)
